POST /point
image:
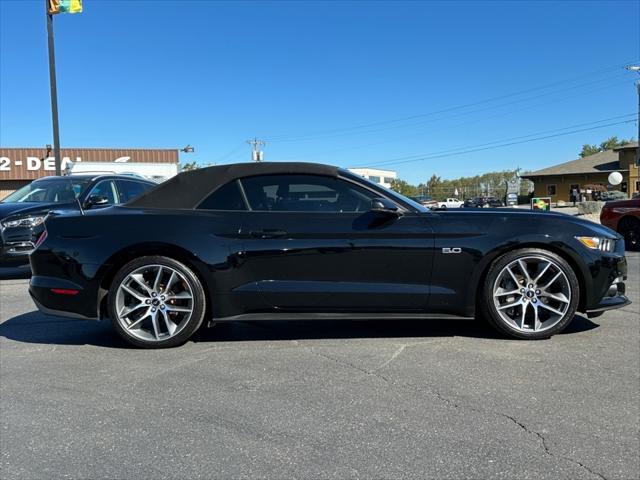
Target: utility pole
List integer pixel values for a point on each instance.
(257, 155)
(54, 91)
(636, 68)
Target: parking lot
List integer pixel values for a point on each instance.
(322, 399)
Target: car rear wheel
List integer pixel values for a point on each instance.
(156, 302)
(629, 228)
(530, 294)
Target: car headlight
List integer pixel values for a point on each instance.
(598, 243)
(29, 221)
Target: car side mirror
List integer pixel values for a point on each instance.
(383, 205)
(95, 201)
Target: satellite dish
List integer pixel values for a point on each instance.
(615, 178)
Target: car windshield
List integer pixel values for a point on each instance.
(60, 190)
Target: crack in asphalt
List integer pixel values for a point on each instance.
(375, 373)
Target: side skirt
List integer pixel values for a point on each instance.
(336, 316)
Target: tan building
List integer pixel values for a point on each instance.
(19, 166)
(560, 180)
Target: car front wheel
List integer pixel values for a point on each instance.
(530, 294)
(156, 302)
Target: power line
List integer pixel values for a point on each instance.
(456, 115)
(227, 155)
(469, 122)
(482, 147)
(279, 138)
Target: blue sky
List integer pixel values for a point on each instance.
(348, 83)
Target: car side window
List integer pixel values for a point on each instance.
(105, 188)
(227, 197)
(305, 193)
(130, 189)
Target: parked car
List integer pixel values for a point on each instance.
(477, 202)
(623, 216)
(264, 241)
(22, 213)
(451, 203)
(494, 202)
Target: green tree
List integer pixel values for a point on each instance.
(432, 183)
(189, 166)
(404, 188)
(608, 144)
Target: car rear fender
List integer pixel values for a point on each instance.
(111, 267)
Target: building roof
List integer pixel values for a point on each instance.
(601, 162)
(627, 146)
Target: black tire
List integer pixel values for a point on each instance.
(629, 228)
(191, 325)
(489, 312)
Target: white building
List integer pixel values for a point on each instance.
(383, 177)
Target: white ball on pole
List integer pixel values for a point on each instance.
(615, 178)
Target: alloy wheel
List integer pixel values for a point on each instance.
(532, 294)
(154, 303)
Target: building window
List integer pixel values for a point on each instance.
(551, 190)
(374, 178)
(388, 180)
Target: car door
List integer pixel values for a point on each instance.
(312, 243)
(106, 189)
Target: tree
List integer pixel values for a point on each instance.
(608, 144)
(433, 182)
(404, 188)
(189, 166)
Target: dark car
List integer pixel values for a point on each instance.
(22, 213)
(623, 216)
(494, 202)
(265, 241)
(477, 202)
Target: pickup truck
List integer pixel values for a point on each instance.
(451, 203)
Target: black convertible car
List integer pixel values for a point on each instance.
(303, 241)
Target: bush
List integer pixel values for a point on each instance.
(586, 208)
(613, 195)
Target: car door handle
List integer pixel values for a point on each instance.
(268, 233)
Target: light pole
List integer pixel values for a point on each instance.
(54, 91)
(636, 68)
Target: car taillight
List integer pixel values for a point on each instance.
(65, 291)
(41, 239)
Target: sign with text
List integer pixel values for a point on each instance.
(32, 163)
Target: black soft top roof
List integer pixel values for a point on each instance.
(188, 189)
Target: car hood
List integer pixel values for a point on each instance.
(551, 219)
(9, 209)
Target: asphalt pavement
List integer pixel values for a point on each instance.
(320, 399)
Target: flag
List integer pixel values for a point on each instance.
(65, 6)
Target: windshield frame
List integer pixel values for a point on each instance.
(397, 197)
